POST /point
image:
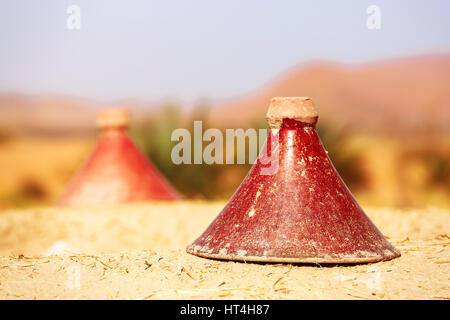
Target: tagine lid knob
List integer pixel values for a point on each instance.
(113, 118)
(296, 108)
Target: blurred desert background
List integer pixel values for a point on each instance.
(384, 124)
(383, 97)
(382, 94)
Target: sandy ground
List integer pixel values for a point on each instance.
(137, 252)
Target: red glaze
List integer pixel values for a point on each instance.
(303, 213)
(117, 172)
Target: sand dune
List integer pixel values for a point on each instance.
(401, 95)
(411, 94)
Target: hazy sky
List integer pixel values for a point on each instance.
(151, 50)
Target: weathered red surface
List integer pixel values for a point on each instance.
(117, 172)
(302, 213)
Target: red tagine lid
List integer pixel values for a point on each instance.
(116, 172)
(293, 206)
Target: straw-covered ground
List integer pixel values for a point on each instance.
(138, 252)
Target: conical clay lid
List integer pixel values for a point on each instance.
(116, 171)
(293, 206)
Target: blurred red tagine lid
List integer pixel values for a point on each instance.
(293, 206)
(116, 172)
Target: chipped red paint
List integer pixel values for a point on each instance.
(303, 213)
(117, 172)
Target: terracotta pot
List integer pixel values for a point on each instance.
(116, 172)
(300, 210)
